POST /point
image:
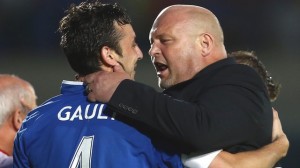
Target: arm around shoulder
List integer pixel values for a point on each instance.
(265, 157)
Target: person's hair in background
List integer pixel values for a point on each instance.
(17, 98)
(15, 93)
(82, 48)
(249, 58)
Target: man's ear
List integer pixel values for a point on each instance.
(206, 42)
(18, 118)
(107, 56)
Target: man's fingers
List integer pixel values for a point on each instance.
(91, 97)
(87, 80)
(275, 114)
(90, 77)
(89, 93)
(277, 128)
(88, 90)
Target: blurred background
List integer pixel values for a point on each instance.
(29, 45)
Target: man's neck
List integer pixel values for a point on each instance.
(6, 140)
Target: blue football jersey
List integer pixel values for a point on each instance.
(68, 131)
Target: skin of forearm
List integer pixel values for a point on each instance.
(265, 157)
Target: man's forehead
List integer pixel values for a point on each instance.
(153, 30)
(164, 29)
(126, 30)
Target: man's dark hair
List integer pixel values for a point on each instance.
(88, 27)
(250, 59)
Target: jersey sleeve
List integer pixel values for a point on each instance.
(199, 161)
(19, 153)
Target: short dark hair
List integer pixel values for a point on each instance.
(88, 27)
(249, 58)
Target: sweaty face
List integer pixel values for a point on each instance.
(131, 52)
(173, 50)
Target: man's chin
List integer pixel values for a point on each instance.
(132, 76)
(162, 84)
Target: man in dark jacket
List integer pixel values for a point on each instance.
(210, 102)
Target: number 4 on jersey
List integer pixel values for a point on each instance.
(83, 155)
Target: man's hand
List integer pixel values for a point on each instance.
(101, 85)
(277, 128)
(279, 135)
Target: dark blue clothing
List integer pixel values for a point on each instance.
(68, 131)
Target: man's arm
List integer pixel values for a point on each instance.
(264, 157)
(206, 123)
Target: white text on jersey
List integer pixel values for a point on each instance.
(69, 113)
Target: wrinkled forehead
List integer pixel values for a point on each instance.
(171, 22)
(168, 18)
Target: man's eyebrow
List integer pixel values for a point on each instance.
(163, 35)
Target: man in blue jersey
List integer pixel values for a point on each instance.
(69, 131)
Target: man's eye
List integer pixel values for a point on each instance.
(164, 40)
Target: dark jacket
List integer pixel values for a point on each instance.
(225, 106)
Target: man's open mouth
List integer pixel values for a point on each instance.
(160, 66)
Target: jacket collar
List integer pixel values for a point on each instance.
(217, 65)
(206, 71)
